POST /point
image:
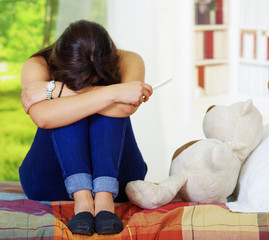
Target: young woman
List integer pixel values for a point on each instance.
(80, 92)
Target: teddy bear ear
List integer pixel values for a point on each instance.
(182, 148)
(210, 108)
(246, 108)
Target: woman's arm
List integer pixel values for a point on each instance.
(34, 77)
(131, 68)
(66, 110)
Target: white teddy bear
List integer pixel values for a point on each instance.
(206, 170)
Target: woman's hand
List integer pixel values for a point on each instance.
(134, 92)
(32, 93)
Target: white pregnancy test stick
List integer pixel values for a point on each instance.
(162, 83)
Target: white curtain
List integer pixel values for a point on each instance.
(70, 11)
(161, 32)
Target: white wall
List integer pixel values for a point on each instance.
(160, 31)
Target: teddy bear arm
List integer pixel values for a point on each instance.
(221, 156)
(149, 195)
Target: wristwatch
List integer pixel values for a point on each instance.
(50, 86)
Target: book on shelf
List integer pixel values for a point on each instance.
(201, 76)
(208, 45)
(202, 13)
(254, 46)
(262, 47)
(209, 11)
(211, 45)
(219, 12)
(213, 79)
(248, 48)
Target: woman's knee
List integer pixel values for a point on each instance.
(78, 126)
(98, 120)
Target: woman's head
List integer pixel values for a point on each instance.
(84, 54)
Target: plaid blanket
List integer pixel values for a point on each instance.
(21, 218)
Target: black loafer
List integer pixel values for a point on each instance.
(82, 223)
(108, 223)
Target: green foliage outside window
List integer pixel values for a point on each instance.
(25, 27)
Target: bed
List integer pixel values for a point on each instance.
(21, 218)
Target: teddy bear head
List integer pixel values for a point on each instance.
(239, 124)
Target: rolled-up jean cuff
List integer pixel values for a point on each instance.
(76, 182)
(106, 184)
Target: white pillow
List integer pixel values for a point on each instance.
(253, 183)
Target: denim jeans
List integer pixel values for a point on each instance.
(97, 153)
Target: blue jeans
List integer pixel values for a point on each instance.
(96, 153)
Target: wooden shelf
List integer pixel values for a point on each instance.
(254, 62)
(211, 62)
(253, 29)
(210, 27)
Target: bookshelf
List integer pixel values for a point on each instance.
(238, 60)
(211, 38)
(253, 54)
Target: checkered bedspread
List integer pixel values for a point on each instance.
(21, 218)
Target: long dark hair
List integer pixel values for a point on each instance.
(83, 54)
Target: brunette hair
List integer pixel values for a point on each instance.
(83, 54)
